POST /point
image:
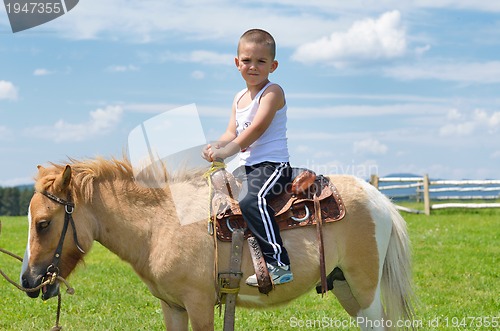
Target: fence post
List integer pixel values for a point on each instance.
(374, 180)
(427, 200)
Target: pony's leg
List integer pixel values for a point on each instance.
(373, 317)
(201, 312)
(175, 318)
(344, 294)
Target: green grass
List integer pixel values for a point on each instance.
(456, 275)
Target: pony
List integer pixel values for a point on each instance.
(104, 202)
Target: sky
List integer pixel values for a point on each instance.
(372, 87)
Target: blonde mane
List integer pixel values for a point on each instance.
(86, 173)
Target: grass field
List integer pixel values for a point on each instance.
(456, 275)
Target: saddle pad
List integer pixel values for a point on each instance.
(228, 215)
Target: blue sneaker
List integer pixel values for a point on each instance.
(279, 275)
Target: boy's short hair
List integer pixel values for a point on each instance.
(260, 37)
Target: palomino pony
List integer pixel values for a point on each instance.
(103, 202)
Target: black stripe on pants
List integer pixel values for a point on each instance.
(263, 181)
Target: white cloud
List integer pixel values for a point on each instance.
(314, 136)
(104, 119)
(363, 5)
(463, 125)
(419, 51)
(462, 72)
(42, 72)
(199, 56)
(369, 39)
(370, 146)
(147, 21)
(494, 121)
(154, 20)
(4, 132)
(454, 114)
(356, 110)
(368, 97)
(202, 56)
(101, 121)
(479, 5)
(122, 68)
(7, 90)
(458, 129)
(300, 148)
(151, 108)
(482, 117)
(198, 75)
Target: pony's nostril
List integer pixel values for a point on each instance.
(24, 282)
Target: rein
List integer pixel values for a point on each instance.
(216, 166)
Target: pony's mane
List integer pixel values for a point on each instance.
(87, 172)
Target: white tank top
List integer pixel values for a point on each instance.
(272, 145)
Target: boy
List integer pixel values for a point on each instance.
(257, 130)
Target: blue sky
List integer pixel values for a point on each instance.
(381, 86)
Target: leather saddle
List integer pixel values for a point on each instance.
(294, 207)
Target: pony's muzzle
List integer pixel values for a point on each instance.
(28, 281)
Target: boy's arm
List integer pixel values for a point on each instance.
(230, 132)
(271, 101)
(223, 140)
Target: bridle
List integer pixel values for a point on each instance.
(69, 207)
(52, 274)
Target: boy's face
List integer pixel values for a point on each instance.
(255, 62)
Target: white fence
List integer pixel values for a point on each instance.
(422, 189)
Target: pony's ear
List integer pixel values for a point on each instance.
(40, 167)
(62, 181)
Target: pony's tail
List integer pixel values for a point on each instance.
(396, 282)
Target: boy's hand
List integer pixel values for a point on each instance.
(206, 153)
(217, 152)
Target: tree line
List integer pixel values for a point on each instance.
(14, 201)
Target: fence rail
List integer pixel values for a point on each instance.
(423, 188)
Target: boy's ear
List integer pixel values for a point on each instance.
(274, 66)
(237, 63)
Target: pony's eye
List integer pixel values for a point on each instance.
(42, 225)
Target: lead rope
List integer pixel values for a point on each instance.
(51, 280)
(216, 166)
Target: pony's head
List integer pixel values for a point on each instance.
(53, 248)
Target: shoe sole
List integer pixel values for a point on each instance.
(283, 280)
(277, 281)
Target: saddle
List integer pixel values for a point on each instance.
(308, 200)
(294, 207)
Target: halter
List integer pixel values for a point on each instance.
(69, 207)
